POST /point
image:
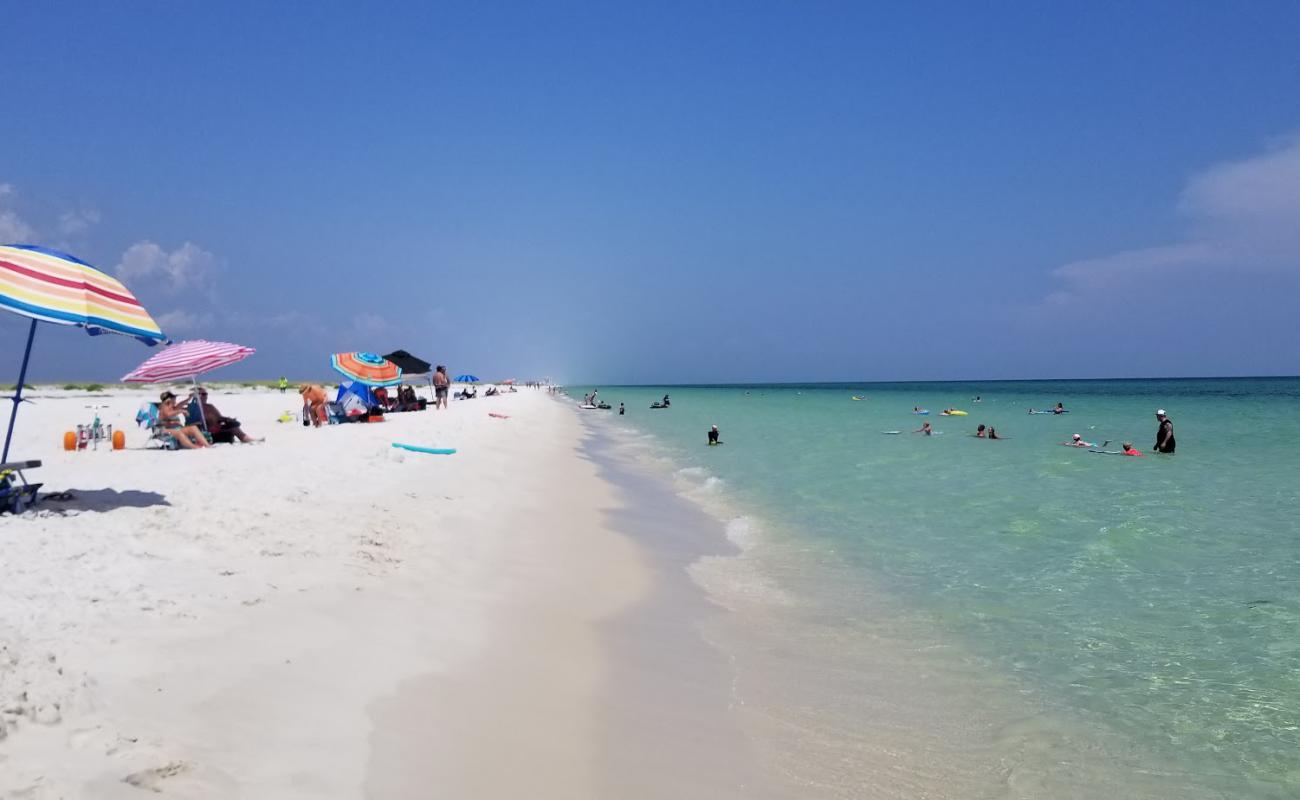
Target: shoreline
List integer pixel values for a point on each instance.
(671, 715)
(559, 610)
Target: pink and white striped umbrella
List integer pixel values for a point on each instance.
(187, 360)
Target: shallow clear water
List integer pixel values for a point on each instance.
(1157, 598)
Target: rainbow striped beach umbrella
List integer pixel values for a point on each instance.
(367, 368)
(49, 286)
(187, 360)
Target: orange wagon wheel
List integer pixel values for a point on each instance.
(119, 440)
(69, 440)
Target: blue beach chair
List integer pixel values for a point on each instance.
(148, 419)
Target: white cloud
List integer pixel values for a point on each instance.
(182, 321)
(187, 267)
(13, 229)
(76, 223)
(1244, 216)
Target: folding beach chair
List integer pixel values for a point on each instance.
(148, 419)
(16, 494)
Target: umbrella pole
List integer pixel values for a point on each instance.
(18, 390)
(203, 417)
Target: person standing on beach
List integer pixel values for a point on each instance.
(284, 384)
(441, 384)
(1165, 442)
(313, 404)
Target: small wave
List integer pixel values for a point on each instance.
(736, 583)
(694, 481)
(742, 532)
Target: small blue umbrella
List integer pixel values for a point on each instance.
(466, 379)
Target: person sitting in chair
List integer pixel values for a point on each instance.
(224, 430)
(172, 416)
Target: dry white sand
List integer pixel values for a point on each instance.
(264, 620)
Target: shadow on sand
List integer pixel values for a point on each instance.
(102, 500)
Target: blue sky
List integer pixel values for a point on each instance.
(665, 192)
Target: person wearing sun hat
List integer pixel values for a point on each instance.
(313, 404)
(1165, 442)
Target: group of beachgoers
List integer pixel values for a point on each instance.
(1165, 442)
(195, 423)
(316, 406)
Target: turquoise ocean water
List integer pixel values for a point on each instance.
(1150, 608)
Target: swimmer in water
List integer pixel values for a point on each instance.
(1077, 441)
(925, 428)
(713, 435)
(979, 432)
(620, 409)
(1129, 450)
(993, 433)
(1060, 409)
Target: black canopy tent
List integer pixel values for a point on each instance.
(411, 365)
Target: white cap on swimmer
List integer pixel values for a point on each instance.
(1160, 412)
(1077, 436)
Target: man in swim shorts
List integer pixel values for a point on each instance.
(441, 383)
(1165, 442)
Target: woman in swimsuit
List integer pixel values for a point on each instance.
(172, 415)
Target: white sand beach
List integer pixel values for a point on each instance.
(318, 615)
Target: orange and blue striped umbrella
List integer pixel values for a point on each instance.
(55, 287)
(49, 286)
(367, 368)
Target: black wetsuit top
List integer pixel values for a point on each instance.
(713, 437)
(1169, 443)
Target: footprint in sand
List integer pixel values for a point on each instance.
(152, 779)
